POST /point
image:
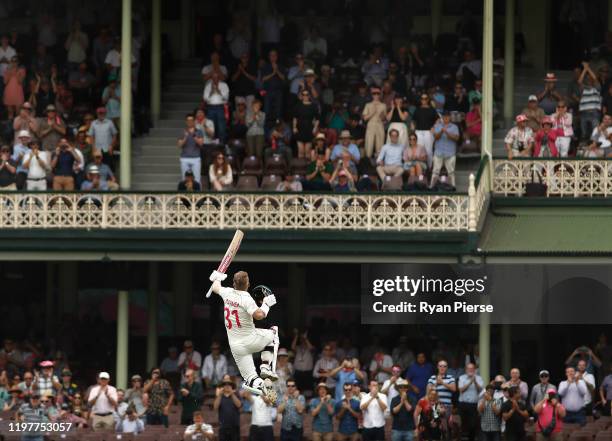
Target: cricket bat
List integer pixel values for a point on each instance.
(229, 255)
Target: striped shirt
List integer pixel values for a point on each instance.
(489, 421)
(445, 395)
(590, 99)
(34, 415)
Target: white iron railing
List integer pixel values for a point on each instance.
(563, 177)
(276, 211)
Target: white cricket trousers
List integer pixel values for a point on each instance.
(243, 350)
(426, 139)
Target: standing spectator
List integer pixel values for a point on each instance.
(398, 120)
(255, 121)
(446, 135)
(605, 394)
(33, 413)
(27, 386)
(191, 145)
(94, 181)
(111, 98)
(130, 423)
(305, 123)
(69, 389)
(216, 97)
(584, 352)
(76, 46)
(534, 114)
(550, 414)
(215, 67)
(239, 127)
(389, 387)
(263, 414)
(589, 381)
(206, 126)
(489, 409)
(375, 114)
(515, 380)
(228, 405)
(546, 140)
(402, 355)
(220, 173)
(214, 367)
(315, 46)
(322, 411)
(303, 360)
(402, 405)
(419, 373)
(63, 161)
(103, 135)
(134, 396)
(102, 401)
(106, 174)
(590, 100)
(473, 130)
(373, 406)
(51, 129)
(458, 101)
(348, 412)
(199, 429)
(295, 75)
(389, 161)
(47, 384)
(25, 121)
(346, 373)
(284, 370)
(273, 78)
(169, 367)
(519, 139)
(572, 392)
(7, 52)
(539, 391)
(190, 359)
(13, 87)
(514, 413)
(280, 139)
(291, 406)
(191, 396)
(358, 101)
(381, 367)
(563, 124)
(324, 366)
(244, 78)
(160, 398)
(424, 119)
(444, 385)
(428, 416)
(470, 385)
(20, 150)
(318, 176)
(549, 97)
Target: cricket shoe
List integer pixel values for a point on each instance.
(267, 373)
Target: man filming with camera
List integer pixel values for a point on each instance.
(550, 414)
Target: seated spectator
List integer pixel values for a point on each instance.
(519, 139)
(290, 183)
(563, 123)
(389, 161)
(473, 131)
(549, 97)
(546, 140)
(601, 139)
(415, 157)
(534, 114)
(106, 174)
(374, 70)
(25, 121)
(255, 121)
(358, 101)
(94, 181)
(66, 415)
(280, 139)
(458, 101)
(550, 417)
(318, 174)
(216, 97)
(476, 93)
(220, 174)
(342, 181)
(589, 106)
(346, 145)
(189, 184)
(130, 423)
(446, 135)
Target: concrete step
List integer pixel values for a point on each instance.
(173, 97)
(140, 169)
(157, 132)
(165, 180)
(182, 106)
(185, 88)
(159, 142)
(175, 123)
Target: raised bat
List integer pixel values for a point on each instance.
(229, 255)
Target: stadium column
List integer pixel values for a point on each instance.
(297, 286)
(484, 347)
(123, 307)
(156, 60)
(182, 288)
(126, 96)
(152, 311)
(436, 19)
(509, 64)
(487, 83)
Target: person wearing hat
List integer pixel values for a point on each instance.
(320, 146)
(489, 410)
(318, 174)
(69, 389)
(228, 406)
(190, 359)
(375, 115)
(346, 145)
(20, 150)
(94, 181)
(563, 122)
(311, 85)
(549, 97)
(189, 184)
(103, 133)
(47, 384)
(550, 417)
(539, 391)
(401, 406)
(102, 401)
(130, 423)
(25, 121)
(534, 113)
(305, 122)
(37, 163)
(134, 396)
(8, 169)
(446, 135)
(51, 129)
(14, 401)
(545, 145)
(519, 139)
(35, 413)
(199, 429)
(342, 180)
(424, 119)
(322, 410)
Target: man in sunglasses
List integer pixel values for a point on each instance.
(348, 411)
(539, 391)
(33, 413)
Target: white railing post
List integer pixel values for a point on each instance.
(472, 221)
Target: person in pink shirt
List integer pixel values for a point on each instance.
(545, 140)
(473, 131)
(562, 121)
(550, 411)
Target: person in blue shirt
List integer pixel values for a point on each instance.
(347, 411)
(418, 374)
(322, 411)
(346, 145)
(345, 373)
(446, 135)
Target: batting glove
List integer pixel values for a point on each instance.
(216, 275)
(269, 300)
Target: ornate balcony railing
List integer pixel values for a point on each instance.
(277, 211)
(563, 177)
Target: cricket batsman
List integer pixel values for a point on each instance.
(240, 309)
